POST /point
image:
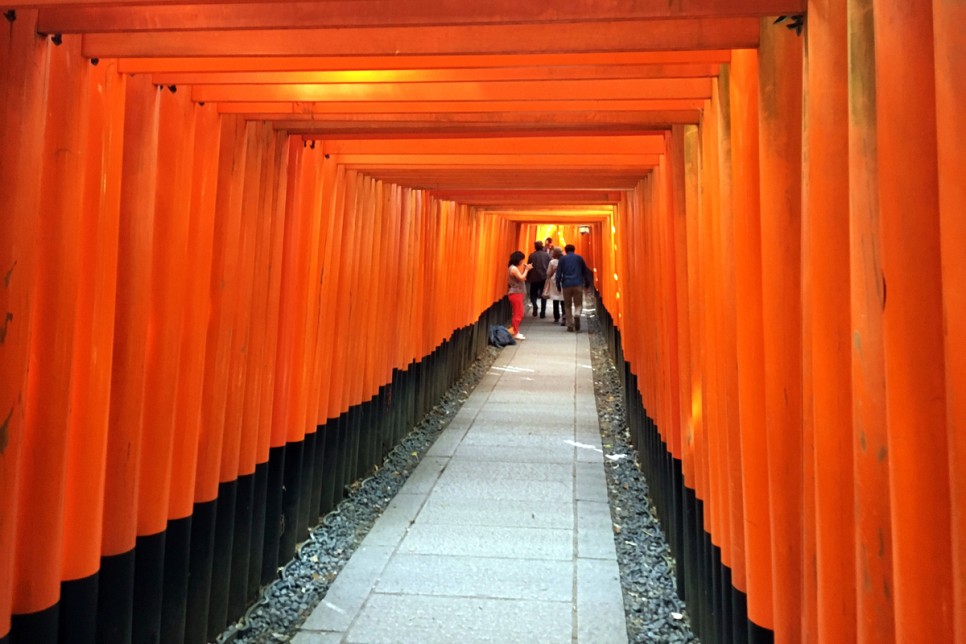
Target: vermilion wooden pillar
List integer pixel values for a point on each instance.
(162, 356)
(40, 488)
(91, 363)
(826, 273)
(912, 319)
(727, 324)
(873, 573)
(135, 246)
(950, 42)
(187, 426)
(223, 293)
(22, 81)
(749, 331)
(780, 92)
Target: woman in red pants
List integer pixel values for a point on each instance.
(517, 288)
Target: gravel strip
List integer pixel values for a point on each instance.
(654, 611)
(303, 582)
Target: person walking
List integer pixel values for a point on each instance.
(516, 288)
(551, 290)
(572, 277)
(537, 277)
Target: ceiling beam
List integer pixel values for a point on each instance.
(180, 63)
(457, 107)
(125, 17)
(542, 90)
(474, 74)
(512, 146)
(610, 36)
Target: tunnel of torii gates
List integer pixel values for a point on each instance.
(244, 246)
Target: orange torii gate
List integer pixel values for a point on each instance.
(195, 195)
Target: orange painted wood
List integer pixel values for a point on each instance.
(588, 144)
(950, 98)
(223, 293)
(240, 367)
(194, 339)
(874, 574)
(780, 99)
(749, 330)
(115, 16)
(318, 389)
(338, 393)
(169, 272)
(464, 74)
(268, 435)
(256, 427)
(94, 333)
(331, 270)
(826, 273)
(678, 193)
(135, 248)
(40, 486)
(912, 320)
(497, 90)
(572, 37)
(22, 89)
(287, 347)
(474, 104)
(690, 466)
(728, 363)
(370, 63)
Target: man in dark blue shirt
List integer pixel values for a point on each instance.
(572, 277)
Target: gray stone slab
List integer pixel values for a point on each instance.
(401, 619)
(601, 623)
(391, 527)
(586, 401)
(590, 484)
(558, 416)
(349, 590)
(508, 439)
(424, 477)
(555, 453)
(316, 637)
(504, 489)
(529, 513)
(447, 442)
(478, 577)
(595, 531)
(475, 470)
(489, 541)
(598, 581)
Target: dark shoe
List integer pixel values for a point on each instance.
(570, 329)
(543, 316)
(534, 312)
(577, 323)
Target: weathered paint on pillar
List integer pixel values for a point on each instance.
(874, 579)
(826, 266)
(780, 87)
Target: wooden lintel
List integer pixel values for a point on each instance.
(576, 37)
(140, 17)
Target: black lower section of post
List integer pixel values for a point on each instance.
(78, 610)
(115, 601)
(203, 521)
(148, 587)
(177, 555)
(35, 627)
(718, 611)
